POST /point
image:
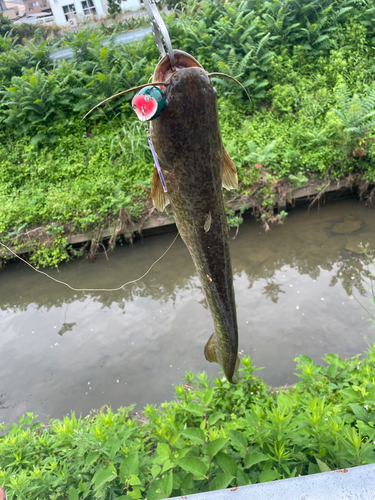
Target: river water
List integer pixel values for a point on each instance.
(63, 350)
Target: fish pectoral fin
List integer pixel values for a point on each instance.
(210, 351)
(159, 197)
(207, 223)
(230, 180)
(210, 354)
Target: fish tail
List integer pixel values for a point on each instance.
(212, 354)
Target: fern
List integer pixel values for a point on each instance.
(355, 112)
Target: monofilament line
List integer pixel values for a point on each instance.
(91, 289)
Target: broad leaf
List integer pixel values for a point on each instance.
(134, 480)
(350, 394)
(226, 463)
(73, 493)
(359, 412)
(214, 417)
(254, 458)
(193, 465)
(332, 371)
(242, 478)
(322, 466)
(267, 475)
(174, 439)
(167, 484)
(163, 450)
(103, 475)
(238, 439)
(187, 482)
(370, 398)
(113, 444)
(194, 434)
(91, 457)
(215, 446)
(195, 408)
(221, 481)
(130, 464)
(208, 395)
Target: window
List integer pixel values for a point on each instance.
(69, 11)
(88, 7)
(35, 4)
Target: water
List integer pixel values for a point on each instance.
(63, 350)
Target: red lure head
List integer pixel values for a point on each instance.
(148, 103)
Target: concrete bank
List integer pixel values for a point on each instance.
(356, 483)
(158, 222)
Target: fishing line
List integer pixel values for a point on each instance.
(91, 289)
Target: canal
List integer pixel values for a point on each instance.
(296, 288)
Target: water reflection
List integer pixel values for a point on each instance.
(66, 327)
(272, 290)
(2, 402)
(64, 350)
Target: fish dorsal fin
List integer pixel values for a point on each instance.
(230, 180)
(159, 197)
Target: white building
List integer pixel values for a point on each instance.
(71, 12)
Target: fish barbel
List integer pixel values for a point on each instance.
(195, 166)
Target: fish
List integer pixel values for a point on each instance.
(195, 167)
(191, 168)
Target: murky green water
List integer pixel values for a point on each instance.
(63, 350)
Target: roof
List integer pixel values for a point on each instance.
(17, 6)
(13, 13)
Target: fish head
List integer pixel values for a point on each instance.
(190, 112)
(182, 59)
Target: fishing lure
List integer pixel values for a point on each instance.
(148, 103)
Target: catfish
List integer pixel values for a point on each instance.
(195, 166)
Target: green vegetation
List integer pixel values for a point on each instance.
(114, 7)
(212, 436)
(308, 68)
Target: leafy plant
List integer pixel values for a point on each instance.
(6, 24)
(114, 7)
(293, 59)
(355, 112)
(212, 436)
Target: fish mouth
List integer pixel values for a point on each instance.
(182, 60)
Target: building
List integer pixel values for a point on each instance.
(36, 6)
(12, 10)
(72, 12)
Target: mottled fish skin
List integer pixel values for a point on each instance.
(187, 141)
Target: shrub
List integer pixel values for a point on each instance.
(212, 436)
